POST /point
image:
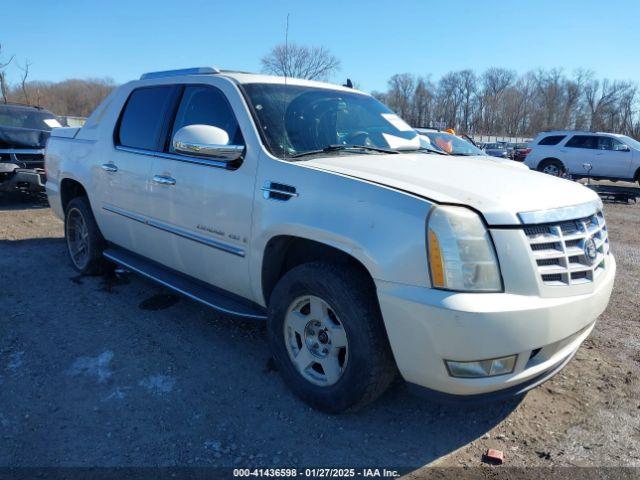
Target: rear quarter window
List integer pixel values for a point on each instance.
(143, 116)
(552, 140)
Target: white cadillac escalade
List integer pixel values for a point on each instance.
(316, 208)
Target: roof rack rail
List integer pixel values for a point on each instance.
(560, 130)
(182, 71)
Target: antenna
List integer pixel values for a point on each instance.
(284, 93)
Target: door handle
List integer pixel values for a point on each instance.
(109, 167)
(163, 180)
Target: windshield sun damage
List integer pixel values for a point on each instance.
(297, 120)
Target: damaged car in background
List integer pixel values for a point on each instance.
(24, 131)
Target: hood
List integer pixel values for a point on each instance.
(17, 137)
(499, 189)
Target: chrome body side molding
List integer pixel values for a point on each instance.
(225, 247)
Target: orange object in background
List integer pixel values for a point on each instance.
(444, 144)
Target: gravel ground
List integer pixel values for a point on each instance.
(120, 372)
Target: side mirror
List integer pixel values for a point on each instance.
(206, 141)
(624, 148)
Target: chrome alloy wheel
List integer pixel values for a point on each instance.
(77, 238)
(316, 340)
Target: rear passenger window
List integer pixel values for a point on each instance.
(551, 140)
(583, 141)
(143, 116)
(206, 105)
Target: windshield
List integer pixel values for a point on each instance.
(296, 119)
(633, 143)
(27, 118)
(451, 144)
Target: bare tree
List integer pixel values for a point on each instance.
(23, 80)
(4, 87)
(400, 95)
(291, 60)
(423, 96)
(495, 82)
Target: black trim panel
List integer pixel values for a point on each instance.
(195, 289)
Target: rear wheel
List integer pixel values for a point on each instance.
(552, 167)
(85, 243)
(327, 337)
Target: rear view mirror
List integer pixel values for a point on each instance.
(206, 141)
(623, 148)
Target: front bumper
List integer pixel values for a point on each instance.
(495, 396)
(427, 326)
(32, 180)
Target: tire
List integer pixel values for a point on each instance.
(366, 366)
(552, 167)
(85, 243)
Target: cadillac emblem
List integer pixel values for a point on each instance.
(590, 250)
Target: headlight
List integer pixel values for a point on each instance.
(461, 252)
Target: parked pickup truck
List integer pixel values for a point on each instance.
(313, 207)
(24, 130)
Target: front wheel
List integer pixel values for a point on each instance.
(327, 337)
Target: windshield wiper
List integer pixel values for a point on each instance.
(338, 148)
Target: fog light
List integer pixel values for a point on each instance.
(482, 368)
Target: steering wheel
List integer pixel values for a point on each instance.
(359, 137)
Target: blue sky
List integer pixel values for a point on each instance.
(374, 39)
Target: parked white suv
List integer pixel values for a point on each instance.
(313, 207)
(580, 154)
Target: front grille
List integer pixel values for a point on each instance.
(560, 254)
(24, 160)
(30, 160)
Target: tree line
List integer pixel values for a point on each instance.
(73, 97)
(501, 102)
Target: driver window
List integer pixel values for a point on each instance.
(608, 143)
(618, 146)
(206, 105)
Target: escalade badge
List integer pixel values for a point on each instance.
(590, 250)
